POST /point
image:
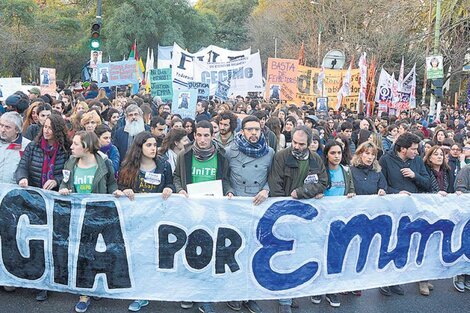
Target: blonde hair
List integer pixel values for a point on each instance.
(82, 103)
(357, 160)
(89, 116)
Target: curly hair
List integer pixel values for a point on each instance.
(131, 165)
(59, 130)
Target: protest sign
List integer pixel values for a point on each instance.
(281, 79)
(47, 81)
(242, 75)
(161, 83)
(434, 67)
(307, 90)
(196, 247)
(184, 102)
(118, 73)
(9, 86)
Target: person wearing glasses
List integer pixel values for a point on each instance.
(250, 159)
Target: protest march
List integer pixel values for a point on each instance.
(219, 172)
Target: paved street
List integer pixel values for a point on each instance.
(444, 298)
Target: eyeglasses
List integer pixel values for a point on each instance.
(251, 129)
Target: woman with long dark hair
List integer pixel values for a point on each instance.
(43, 160)
(340, 183)
(143, 171)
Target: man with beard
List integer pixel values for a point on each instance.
(227, 126)
(158, 128)
(201, 162)
(124, 136)
(298, 173)
(249, 158)
(12, 145)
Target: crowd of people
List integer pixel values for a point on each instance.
(100, 141)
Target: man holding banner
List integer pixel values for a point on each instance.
(201, 162)
(249, 158)
(298, 173)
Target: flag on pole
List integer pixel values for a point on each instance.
(413, 87)
(345, 89)
(370, 92)
(402, 74)
(302, 54)
(363, 79)
(383, 95)
(149, 65)
(133, 54)
(395, 95)
(320, 85)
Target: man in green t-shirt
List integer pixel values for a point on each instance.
(201, 162)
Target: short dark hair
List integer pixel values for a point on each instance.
(101, 129)
(157, 120)
(227, 115)
(260, 114)
(249, 118)
(346, 125)
(406, 140)
(44, 107)
(205, 124)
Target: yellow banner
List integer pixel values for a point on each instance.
(308, 89)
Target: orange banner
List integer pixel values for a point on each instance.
(281, 79)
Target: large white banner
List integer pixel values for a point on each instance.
(241, 75)
(164, 56)
(9, 86)
(237, 69)
(192, 249)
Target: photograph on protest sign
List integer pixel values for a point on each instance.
(322, 104)
(95, 58)
(184, 102)
(434, 67)
(104, 71)
(47, 79)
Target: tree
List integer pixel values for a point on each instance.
(155, 22)
(230, 18)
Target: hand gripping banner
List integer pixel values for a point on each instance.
(192, 249)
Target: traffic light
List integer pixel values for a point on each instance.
(95, 40)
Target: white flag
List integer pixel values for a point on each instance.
(345, 89)
(363, 73)
(383, 94)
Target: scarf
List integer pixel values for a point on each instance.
(203, 154)
(50, 153)
(253, 150)
(439, 181)
(106, 149)
(300, 155)
(288, 136)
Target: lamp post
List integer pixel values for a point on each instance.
(275, 47)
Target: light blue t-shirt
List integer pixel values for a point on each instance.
(338, 185)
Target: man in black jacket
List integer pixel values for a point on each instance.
(403, 169)
(405, 173)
